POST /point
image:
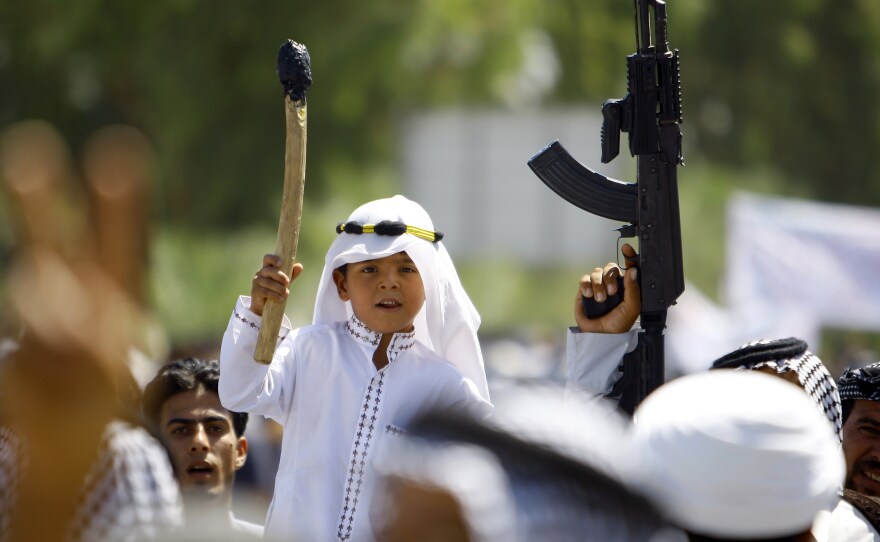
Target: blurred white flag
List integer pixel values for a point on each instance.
(792, 268)
(809, 257)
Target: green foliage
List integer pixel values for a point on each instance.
(778, 97)
(195, 279)
(797, 80)
(512, 298)
(591, 39)
(199, 77)
(789, 83)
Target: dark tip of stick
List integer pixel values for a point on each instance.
(294, 69)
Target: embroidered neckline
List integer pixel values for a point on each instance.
(400, 342)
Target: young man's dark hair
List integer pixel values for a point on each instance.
(181, 376)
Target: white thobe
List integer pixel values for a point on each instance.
(845, 523)
(336, 409)
(593, 360)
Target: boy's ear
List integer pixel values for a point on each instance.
(341, 288)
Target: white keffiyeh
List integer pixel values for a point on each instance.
(448, 321)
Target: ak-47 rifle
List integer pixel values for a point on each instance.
(651, 114)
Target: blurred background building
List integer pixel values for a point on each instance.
(469, 168)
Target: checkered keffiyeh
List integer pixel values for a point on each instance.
(859, 384)
(863, 383)
(129, 494)
(784, 355)
(11, 460)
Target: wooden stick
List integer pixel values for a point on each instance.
(294, 71)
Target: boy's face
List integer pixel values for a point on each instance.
(198, 434)
(386, 294)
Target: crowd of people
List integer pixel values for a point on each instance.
(389, 430)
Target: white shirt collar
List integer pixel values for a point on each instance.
(400, 342)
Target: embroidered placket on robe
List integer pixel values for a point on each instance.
(367, 422)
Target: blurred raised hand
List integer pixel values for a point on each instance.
(76, 286)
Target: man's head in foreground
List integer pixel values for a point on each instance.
(737, 455)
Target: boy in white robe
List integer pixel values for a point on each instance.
(393, 333)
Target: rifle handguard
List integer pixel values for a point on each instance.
(610, 134)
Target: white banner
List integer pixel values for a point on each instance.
(792, 268)
(816, 258)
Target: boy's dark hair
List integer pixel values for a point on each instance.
(181, 376)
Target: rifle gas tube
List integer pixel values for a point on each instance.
(651, 114)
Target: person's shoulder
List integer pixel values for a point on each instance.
(248, 529)
(429, 359)
(122, 436)
(868, 508)
(425, 355)
(135, 455)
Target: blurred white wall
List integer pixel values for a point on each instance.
(468, 169)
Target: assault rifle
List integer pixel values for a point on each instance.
(651, 113)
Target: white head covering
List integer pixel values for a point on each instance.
(448, 322)
(737, 455)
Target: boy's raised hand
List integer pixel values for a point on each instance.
(601, 283)
(270, 282)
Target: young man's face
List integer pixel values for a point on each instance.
(861, 448)
(386, 294)
(197, 432)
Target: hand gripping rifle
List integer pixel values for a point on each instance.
(651, 113)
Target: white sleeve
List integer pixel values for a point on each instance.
(593, 359)
(247, 385)
(474, 403)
